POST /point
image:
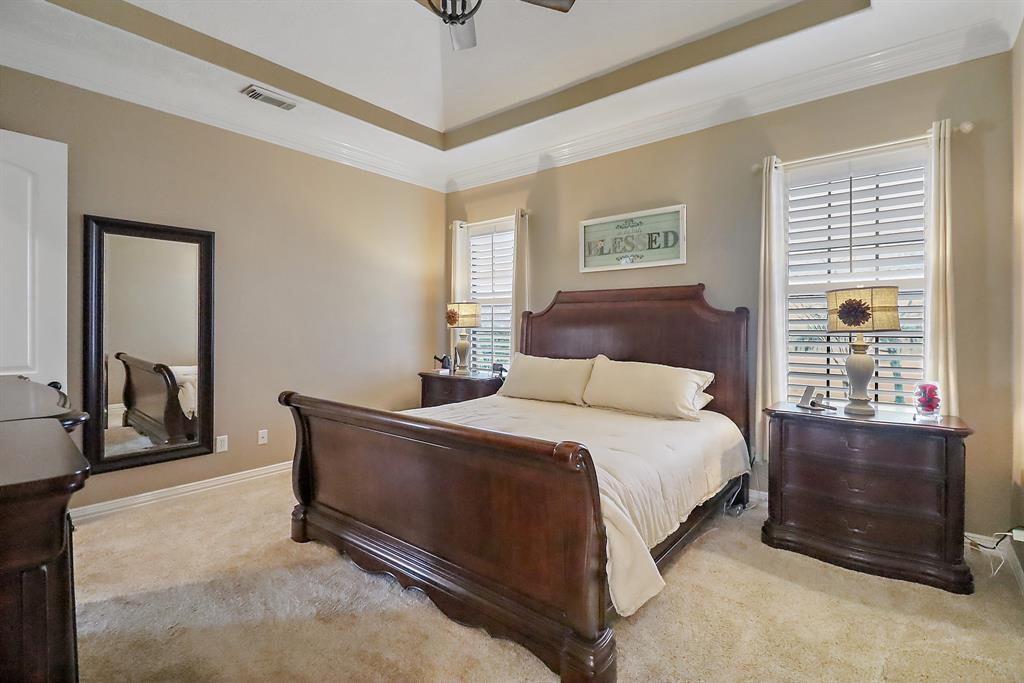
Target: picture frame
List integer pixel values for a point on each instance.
(641, 239)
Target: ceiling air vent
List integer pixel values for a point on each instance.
(255, 92)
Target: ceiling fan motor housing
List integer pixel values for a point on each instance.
(455, 11)
(458, 16)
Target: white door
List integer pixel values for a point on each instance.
(33, 258)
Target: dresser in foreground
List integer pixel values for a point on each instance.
(40, 468)
(882, 494)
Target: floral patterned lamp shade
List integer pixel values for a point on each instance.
(462, 314)
(863, 309)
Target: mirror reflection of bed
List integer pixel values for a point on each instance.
(151, 335)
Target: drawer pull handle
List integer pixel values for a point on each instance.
(849, 447)
(856, 529)
(853, 489)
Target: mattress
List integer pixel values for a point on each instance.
(651, 472)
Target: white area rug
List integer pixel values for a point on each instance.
(209, 587)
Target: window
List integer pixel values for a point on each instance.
(856, 223)
(491, 257)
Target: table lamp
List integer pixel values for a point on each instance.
(860, 310)
(462, 315)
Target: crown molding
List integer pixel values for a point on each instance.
(56, 63)
(787, 21)
(909, 59)
(155, 28)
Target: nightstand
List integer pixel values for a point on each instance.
(440, 387)
(882, 494)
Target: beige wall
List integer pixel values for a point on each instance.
(151, 304)
(329, 280)
(1018, 286)
(710, 172)
(326, 275)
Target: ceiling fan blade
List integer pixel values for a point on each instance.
(560, 5)
(463, 35)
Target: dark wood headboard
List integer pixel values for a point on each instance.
(667, 325)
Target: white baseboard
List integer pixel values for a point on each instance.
(97, 510)
(115, 411)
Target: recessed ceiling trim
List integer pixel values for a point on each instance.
(153, 27)
(901, 61)
(52, 66)
(506, 161)
(783, 22)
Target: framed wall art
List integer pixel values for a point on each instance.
(643, 239)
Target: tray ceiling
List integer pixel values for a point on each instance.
(892, 39)
(388, 53)
(398, 55)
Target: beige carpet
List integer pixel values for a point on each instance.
(123, 440)
(210, 588)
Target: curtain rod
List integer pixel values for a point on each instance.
(965, 127)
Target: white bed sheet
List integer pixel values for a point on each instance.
(651, 472)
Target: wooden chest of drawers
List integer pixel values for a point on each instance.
(883, 495)
(40, 467)
(439, 387)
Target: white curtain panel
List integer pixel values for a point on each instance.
(460, 271)
(520, 274)
(770, 383)
(940, 341)
(460, 262)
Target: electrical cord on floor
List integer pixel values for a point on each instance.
(995, 546)
(735, 509)
(975, 544)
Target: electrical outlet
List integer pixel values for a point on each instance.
(1018, 534)
(222, 443)
(262, 437)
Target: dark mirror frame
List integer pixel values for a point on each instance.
(96, 228)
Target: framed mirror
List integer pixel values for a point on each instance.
(148, 346)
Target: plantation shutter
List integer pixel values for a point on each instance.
(858, 222)
(491, 282)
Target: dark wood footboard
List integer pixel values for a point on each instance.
(500, 531)
(151, 402)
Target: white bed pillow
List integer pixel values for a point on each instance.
(547, 379)
(702, 400)
(647, 388)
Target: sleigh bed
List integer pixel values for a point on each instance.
(160, 400)
(505, 531)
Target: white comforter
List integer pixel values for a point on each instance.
(187, 377)
(651, 472)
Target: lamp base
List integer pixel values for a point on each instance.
(859, 406)
(860, 367)
(462, 354)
